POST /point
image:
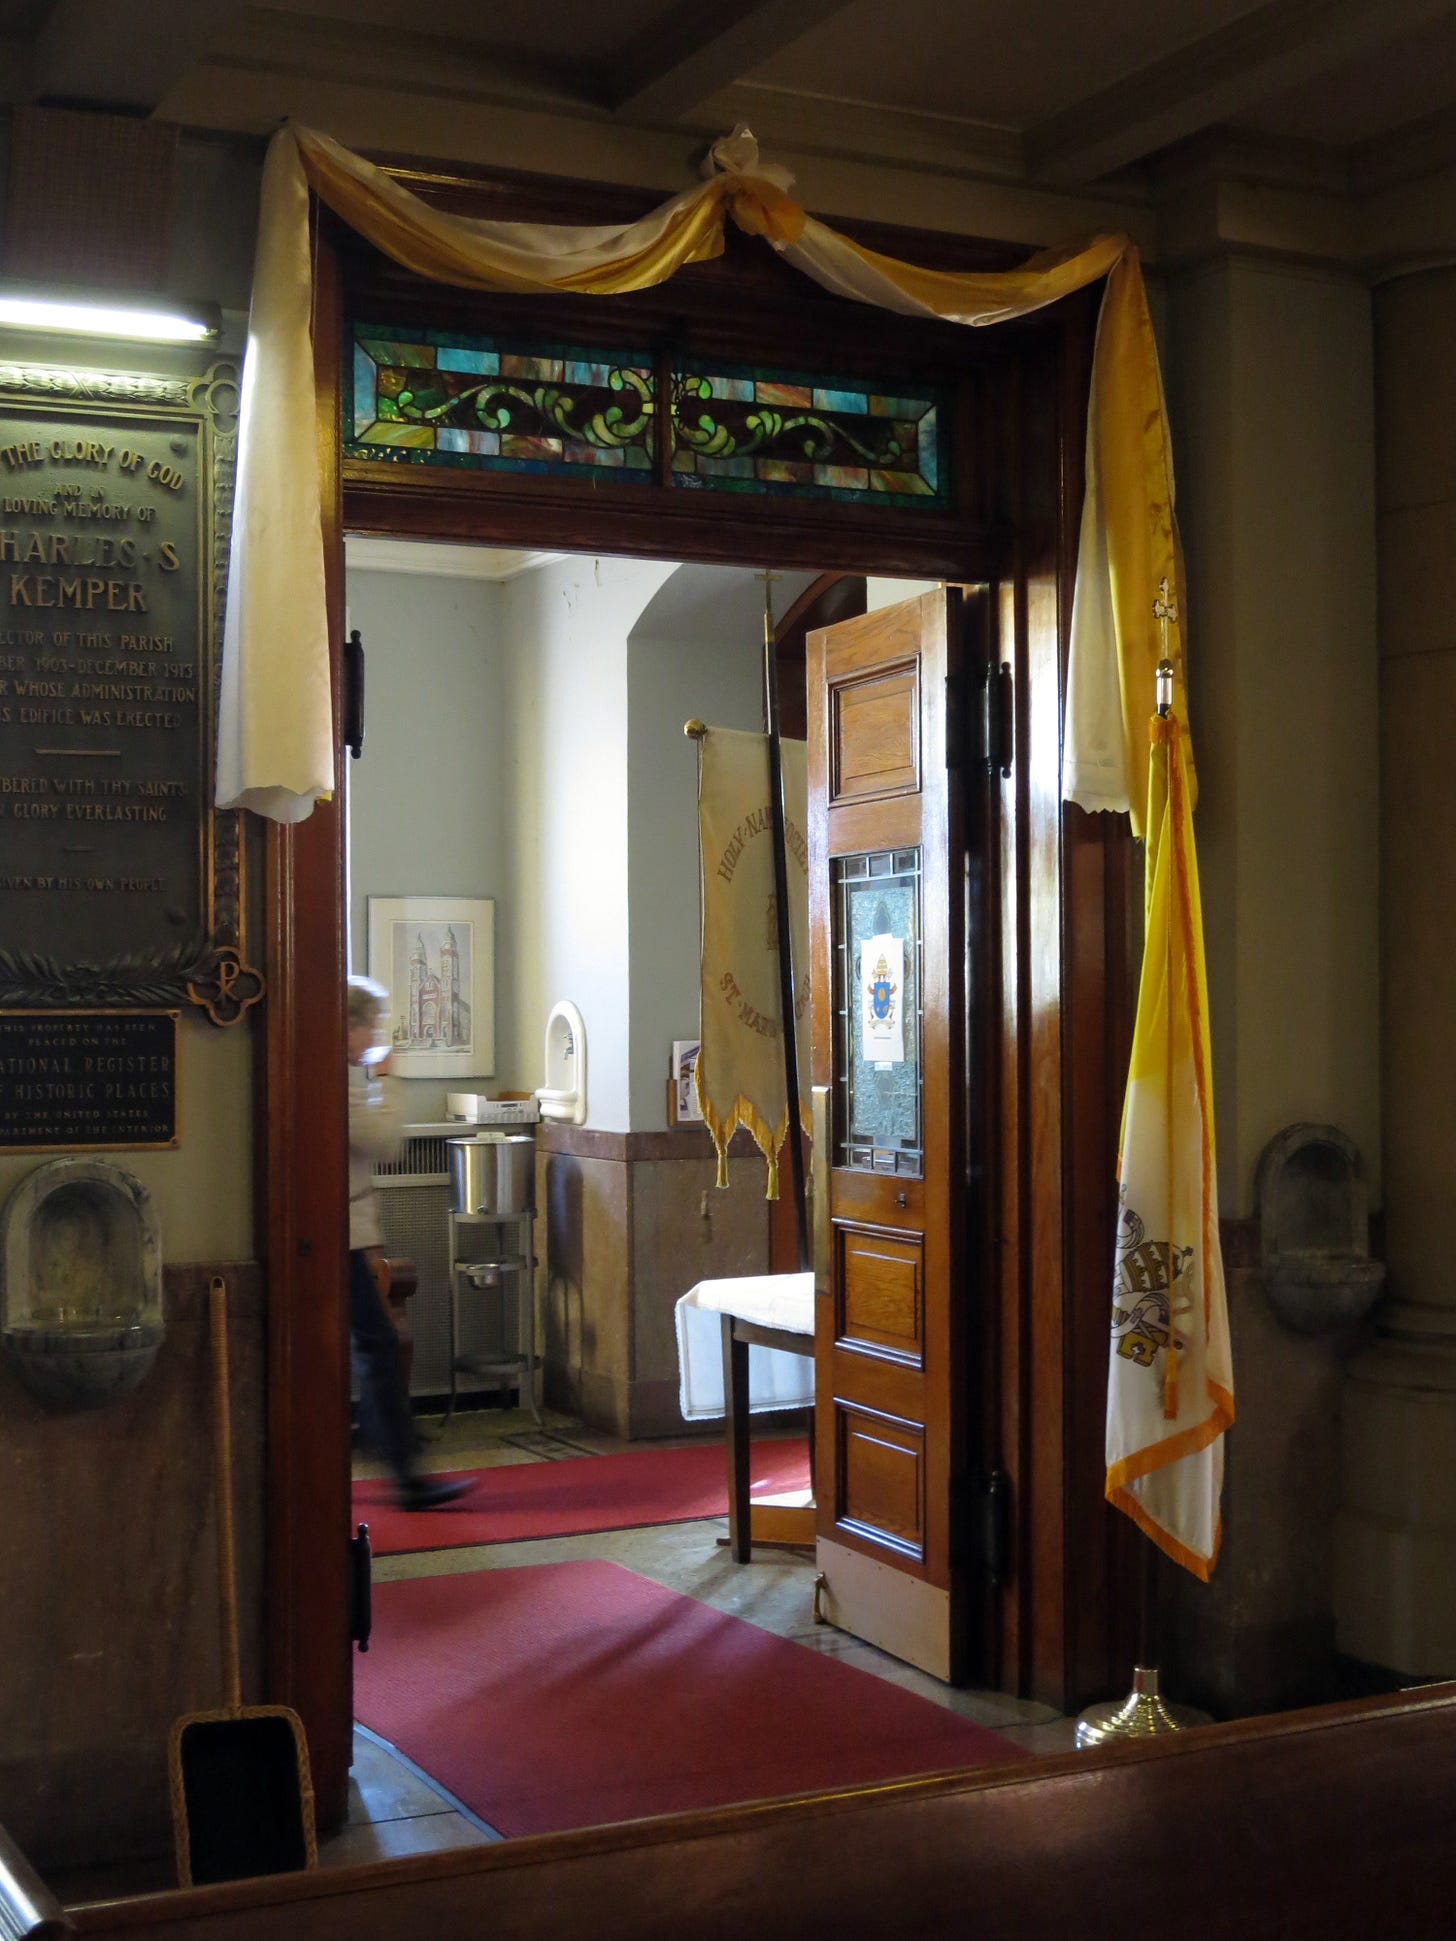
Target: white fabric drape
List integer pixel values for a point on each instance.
(275, 745)
(1094, 759)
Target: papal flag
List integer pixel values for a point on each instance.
(1170, 1394)
(739, 1077)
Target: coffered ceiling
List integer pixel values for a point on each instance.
(1054, 95)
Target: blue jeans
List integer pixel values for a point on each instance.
(385, 1421)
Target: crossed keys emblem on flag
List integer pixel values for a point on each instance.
(1140, 1308)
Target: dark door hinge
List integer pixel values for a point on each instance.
(354, 694)
(361, 1600)
(1000, 719)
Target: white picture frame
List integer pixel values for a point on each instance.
(435, 955)
(684, 1063)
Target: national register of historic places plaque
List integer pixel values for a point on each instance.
(79, 1080)
(119, 884)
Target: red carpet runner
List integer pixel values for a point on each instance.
(573, 1495)
(567, 1695)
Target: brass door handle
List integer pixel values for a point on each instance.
(819, 1106)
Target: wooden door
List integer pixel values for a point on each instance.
(888, 905)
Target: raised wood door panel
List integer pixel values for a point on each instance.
(887, 862)
(879, 1292)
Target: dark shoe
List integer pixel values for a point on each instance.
(432, 1492)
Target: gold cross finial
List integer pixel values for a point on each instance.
(1164, 611)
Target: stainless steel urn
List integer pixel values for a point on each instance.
(493, 1175)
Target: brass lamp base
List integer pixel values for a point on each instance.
(1141, 1715)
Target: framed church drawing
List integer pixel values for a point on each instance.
(435, 955)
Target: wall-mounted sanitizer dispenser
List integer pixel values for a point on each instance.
(563, 1096)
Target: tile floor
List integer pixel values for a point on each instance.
(395, 1809)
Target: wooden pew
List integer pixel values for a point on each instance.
(1300, 1827)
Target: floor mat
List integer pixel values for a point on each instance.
(564, 1695)
(517, 1501)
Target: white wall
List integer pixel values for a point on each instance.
(564, 766)
(428, 805)
(889, 593)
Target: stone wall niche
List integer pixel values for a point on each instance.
(81, 1298)
(1314, 1226)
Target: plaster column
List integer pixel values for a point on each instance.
(1269, 367)
(1395, 1591)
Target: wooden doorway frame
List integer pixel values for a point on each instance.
(1057, 1624)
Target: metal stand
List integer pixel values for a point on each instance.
(1141, 1715)
(508, 1262)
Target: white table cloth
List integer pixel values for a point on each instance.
(776, 1380)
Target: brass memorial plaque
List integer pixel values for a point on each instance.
(119, 884)
(79, 1080)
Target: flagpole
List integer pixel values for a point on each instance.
(1144, 1713)
(781, 905)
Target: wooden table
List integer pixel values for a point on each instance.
(773, 1311)
(749, 1522)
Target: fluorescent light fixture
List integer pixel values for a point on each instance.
(87, 317)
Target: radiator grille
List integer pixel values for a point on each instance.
(414, 1216)
(422, 1155)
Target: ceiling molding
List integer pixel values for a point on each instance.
(1404, 155)
(693, 50)
(1227, 72)
(112, 52)
(1230, 155)
(1225, 193)
(858, 131)
(1411, 225)
(365, 553)
(270, 40)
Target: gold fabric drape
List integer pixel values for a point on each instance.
(275, 735)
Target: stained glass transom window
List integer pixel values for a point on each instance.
(807, 438)
(439, 398)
